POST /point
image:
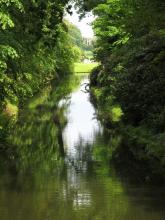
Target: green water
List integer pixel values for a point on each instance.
(73, 181)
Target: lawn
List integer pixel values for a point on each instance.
(84, 67)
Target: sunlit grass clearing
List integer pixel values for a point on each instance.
(84, 67)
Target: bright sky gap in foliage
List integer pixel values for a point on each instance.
(85, 25)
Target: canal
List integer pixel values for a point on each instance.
(74, 181)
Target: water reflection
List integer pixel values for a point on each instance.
(81, 187)
(82, 123)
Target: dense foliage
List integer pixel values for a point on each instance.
(76, 35)
(35, 47)
(79, 43)
(76, 40)
(131, 46)
(130, 83)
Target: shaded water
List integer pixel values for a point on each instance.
(82, 186)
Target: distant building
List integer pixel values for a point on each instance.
(87, 61)
(88, 41)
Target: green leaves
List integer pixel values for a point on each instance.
(130, 45)
(7, 3)
(5, 18)
(5, 21)
(34, 45)
(7, 51)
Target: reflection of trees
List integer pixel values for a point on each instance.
(37, 135)
(47, 194)
(83, 150)
(83, 188)
(94, 149)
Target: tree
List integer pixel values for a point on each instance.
(35, 47)
(130, 45)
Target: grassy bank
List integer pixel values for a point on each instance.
(84, 67)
